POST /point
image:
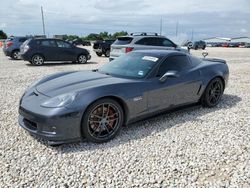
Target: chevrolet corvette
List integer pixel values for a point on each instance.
(95, 104)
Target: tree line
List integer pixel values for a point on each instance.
(92, 36)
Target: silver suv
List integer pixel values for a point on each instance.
(141, 41)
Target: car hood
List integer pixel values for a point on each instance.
(76, 81)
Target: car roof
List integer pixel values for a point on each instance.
(142, 36)
(159, 53)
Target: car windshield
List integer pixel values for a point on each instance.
(131, 65)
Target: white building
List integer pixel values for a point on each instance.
(217, 40)
(241, 40)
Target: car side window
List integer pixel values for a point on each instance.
(62, 44)
(150, 41)
(45, 43)
(174, 63)
(165, 43)
(48, 43)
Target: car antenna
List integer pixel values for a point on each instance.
(205, 54)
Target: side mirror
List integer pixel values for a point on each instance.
(169, 74)
(205, 54)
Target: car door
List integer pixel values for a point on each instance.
(48, 49)
(179, 90)
(66, 51)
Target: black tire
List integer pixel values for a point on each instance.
(37, 60)
(82, 59)
(107, 53)
(196, 47)
(15, 55)
(97, 125)
(99, 54)
(213, 93)
(204, 47)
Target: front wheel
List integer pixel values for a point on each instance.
(99, 54)
(212, 95)
(82, 59)
(102, 121)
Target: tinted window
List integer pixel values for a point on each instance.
(123, 41)
(62, 44)
(165, 42)
(22, 39)
(48, 43)
(150, 41)
(174, 63)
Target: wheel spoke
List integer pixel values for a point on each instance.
(96, 116)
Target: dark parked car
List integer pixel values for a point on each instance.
(197, 45)
(77, 42)
(12, 45)
(37, 51)
(69, 106)
(103, 47)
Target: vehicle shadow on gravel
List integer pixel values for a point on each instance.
(61, 64)
(159, 123)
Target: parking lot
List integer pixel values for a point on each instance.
(186, 148)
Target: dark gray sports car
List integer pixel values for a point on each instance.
(69, 106)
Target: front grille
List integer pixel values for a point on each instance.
(30, 124)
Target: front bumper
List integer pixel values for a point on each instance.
(57, 129)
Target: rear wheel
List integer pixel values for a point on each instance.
(15, 55)
(212, 95)
(102, 121)
(82, 59)
(37, 60)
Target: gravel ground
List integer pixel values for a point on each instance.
(195, 147)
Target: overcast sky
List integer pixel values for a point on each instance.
(226, 18)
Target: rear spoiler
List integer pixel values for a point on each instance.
(214, 60)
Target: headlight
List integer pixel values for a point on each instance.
(60, 100)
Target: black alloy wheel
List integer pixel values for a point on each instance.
(102, 120)
(213, 93)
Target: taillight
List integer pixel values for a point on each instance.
(8, 44)
(127, 50)
(26, 48)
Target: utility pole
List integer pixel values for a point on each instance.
(43, 21)
(161, 26)
(177, 28)
(192, 36)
